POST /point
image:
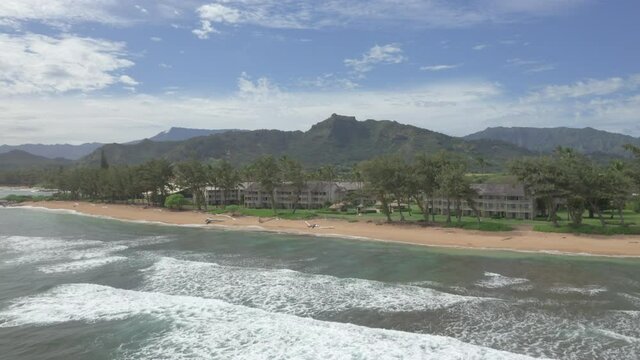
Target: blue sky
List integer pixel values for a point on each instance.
(115, 70)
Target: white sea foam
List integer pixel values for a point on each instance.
(206, 328)
(590, 290)
(635, 300)
(80, 265)
(494, 281)
(289, 291)
(31, 244)
(69, 255)
(617, 336)
(631, 313)
(38, 249)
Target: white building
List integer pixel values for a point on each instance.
(495, 200)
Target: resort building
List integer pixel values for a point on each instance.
(217, 196)
(495, 200)
(314, 195)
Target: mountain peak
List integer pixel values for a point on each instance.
(181, 133)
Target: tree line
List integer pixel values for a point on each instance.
(562, 179)
(570, 180)
(154, 180)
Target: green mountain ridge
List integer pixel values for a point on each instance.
(338, 140)
(20, 160)
(598, 143)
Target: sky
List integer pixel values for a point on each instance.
(75, 71)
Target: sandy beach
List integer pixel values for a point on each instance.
(521, 240)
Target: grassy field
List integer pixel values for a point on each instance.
(589, 226)
(589, 229)
(352, 216)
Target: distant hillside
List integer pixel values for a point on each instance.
(179, 134)
(588, 141)
(75, 152)
(67, 151)
(339, 140)
(18, 160)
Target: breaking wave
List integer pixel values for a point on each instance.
(207, 328)
(291, 292)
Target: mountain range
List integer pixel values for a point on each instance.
(338, 140)
(19, 159)
(75, 152)
(67, 151)
(588, 141)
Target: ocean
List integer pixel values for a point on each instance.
(79, 287)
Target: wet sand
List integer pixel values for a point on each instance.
(518, 240)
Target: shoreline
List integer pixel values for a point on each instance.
(517, 240)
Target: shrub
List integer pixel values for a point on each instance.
(26, 198)
(231, 208)
(636, 206)
(175, 202)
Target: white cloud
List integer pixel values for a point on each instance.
(258, 103)
(36, 64)
(440, 67)
(205, 29)
(128, 80)
(219, 13)
(329, 81)
(141, 9)
(531, 66)
(55, 11)
(531, 7)
(456, 108)
(285, 14)
(261, 89)
(65, 13)
(385, 54)
(155, 39)
(479, 47)
(586, 88)
(311, 14)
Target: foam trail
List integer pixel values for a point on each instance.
(80, 265)
(76, 254)
(494, 281)
(290, 291)
(206, 328)
(29, 250)
(591, 290)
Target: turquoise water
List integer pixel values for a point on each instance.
(76, 287)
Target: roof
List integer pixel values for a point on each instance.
(350, 185)
(240, 187)
(308, 186)
(500, 189)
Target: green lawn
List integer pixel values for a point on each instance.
(300, 214)
(590, 226)
(352, 216)
(589, 229)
